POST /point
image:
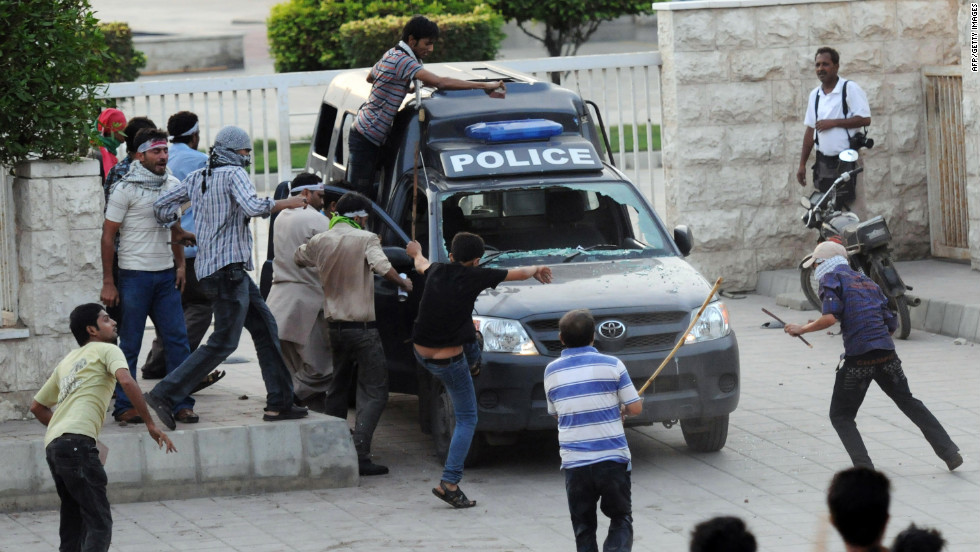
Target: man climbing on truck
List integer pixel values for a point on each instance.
(391, 79)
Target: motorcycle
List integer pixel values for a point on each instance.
(866, 243)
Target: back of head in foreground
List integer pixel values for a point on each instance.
(918, 539)
(858, 500)
(722, 534)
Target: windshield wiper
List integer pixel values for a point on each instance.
(597, 247)
(494, 254)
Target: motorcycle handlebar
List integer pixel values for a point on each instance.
(847, 175)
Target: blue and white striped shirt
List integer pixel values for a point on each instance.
(220, 216)
(586, 389)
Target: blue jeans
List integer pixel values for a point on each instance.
(455, 376)
(237, 305)
(154, 294)
(850, 387)
(86, 521)
(586, 485)
(362, 163)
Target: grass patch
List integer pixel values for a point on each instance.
(298, 154)
(628, 137)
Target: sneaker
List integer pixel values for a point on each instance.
(366, 467)
(163, 410)
(954, 461)
(129, 416)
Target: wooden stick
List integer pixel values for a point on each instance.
(683, 337)
(784, 323)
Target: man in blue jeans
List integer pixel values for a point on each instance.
(444, 329)
(869, 354)
(151, 267)
(590, 393)
(224, 199)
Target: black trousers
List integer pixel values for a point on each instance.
(86, 521)
(609, 484)
(826, 169)
(850, 388)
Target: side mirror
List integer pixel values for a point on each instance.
(684, 239)
(848, 156)
(398, 258)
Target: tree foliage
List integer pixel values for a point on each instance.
(567, 23)
(52, 59)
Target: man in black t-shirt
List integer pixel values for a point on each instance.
(444, 328)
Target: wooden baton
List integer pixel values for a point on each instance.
(683, 337)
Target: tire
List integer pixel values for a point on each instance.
(811, 286)
(900, 306)
(705, 435)
(443, 424)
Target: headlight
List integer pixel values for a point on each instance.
(713, 324)
(501, 335)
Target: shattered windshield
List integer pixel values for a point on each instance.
(556, 223)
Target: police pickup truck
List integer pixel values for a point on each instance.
(527, 173)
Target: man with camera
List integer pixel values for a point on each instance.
(835, 111)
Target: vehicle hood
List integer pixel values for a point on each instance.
(661, 283)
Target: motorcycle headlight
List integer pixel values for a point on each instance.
(713, 324)
(501, 335)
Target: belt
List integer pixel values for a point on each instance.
(342, 325)
(75, 437)
(445, 361)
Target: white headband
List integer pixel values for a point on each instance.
(151, 144)
(352, 214)
(312, 187)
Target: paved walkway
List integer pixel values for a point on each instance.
(780, 455)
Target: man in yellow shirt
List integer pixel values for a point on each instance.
(80, 389)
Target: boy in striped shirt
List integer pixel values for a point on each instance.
(590, 393)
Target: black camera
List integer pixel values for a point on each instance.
(860, 140)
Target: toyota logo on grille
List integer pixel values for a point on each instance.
(612, 329)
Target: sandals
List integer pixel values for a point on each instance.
(456, 498)
(208, 381)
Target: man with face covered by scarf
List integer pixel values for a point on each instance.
(224, 200)
(151, 266)
(869, 354)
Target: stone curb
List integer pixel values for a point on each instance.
(316, 453)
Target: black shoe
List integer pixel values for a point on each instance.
(366, 467)
(163, 410)
(954, 461)
(151, 375)
(294, 413)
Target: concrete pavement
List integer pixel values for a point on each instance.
(773, 473)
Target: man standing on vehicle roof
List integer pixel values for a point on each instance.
(869, 354)
(391, 78)
(833, 108)
(345, 256)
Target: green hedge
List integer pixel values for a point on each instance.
(126, 60)
(468, 37)
(304, 35)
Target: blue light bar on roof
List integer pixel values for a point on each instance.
(513, 131)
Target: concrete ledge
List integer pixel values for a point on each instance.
(794, 300)
(315, 453)
(183, 53)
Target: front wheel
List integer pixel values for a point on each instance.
(443, 425)
(900, 306)
(705, 435)
(811, 285)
